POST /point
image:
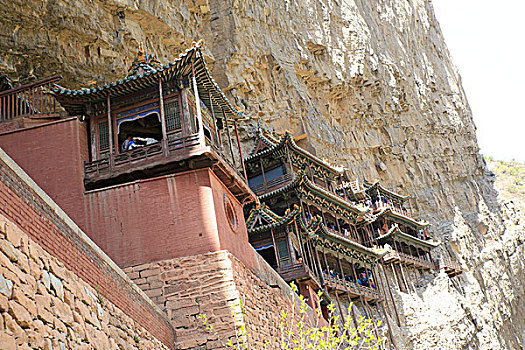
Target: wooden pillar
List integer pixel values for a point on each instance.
(217, 133)
(401, 267)
(391, 295)
(186, 129)
(229, 140)
(93, 129)
(240, 151)
(326, 264)
(339, 305)
(110, 132)
(299, 239)
(289, 161)
(163, 120)
(276, 250)
(372, 318)
(352, 312)
(319, 266)
(341, 270)
(198, 106)
(265, 185)
(290, 246)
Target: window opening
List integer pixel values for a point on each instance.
(143, 129)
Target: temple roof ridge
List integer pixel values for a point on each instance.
(301, 179)
(273, 220)
(406, 218)
(274, 144)
(395, 231)
(72, 100)
(376, 184)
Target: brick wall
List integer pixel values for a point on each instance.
(25, 204)
(213, 284)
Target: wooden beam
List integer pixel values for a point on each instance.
(163, 121)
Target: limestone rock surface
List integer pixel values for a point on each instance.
(372, 85)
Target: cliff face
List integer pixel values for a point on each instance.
(372, 85)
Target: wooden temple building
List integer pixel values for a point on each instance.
(326, 232)
(151, 167)
(150, 159)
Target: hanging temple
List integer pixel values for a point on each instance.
(311, 222)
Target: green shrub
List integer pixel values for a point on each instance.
(297, 334)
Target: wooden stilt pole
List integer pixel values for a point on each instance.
(276, 251)
(391, 297)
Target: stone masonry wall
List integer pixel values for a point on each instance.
(213, 284)
(50, 266)
(43, 305)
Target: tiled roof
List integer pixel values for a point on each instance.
(372, 185)
(395, 231)
(273, 220)
(74, 100)
(287, 139)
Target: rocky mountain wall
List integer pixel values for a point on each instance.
(371, 84)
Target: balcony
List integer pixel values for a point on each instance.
(297, 271)
(177, 155)
(451, 268)
(352, 288)
(409, 260)
(272, 185)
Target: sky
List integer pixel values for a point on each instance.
(487, 42)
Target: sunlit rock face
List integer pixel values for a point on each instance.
(372, 85)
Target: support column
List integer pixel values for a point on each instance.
(186, 128)
(110, 133)
(93, 129)
(163, 121)
(229, 140)
(217, 133)
(276, 251)
(198, 107)
(240, 151)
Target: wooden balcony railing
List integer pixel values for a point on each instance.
(451, 267)
(28, 100)
(351, 287)
(349, 236)
(407, 259)
(139, 155)
(272, 184)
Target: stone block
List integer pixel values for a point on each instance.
(57, 285)
(20, 314)
(6, 286)
(14, 234)
(9, 250)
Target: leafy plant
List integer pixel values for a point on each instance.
(297, 332)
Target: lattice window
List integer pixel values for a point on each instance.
(103, 136)
(172, 114)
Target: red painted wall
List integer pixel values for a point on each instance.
(236, 242)
(53, 155)
(139, 222)
(154, 219)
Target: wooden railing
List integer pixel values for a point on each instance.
(138, 154)
(451, 267)
(272, 184)
(153, 151)
(349, 236)
(352, 287)
(408, 259)
(28, 100)
(183, 142)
